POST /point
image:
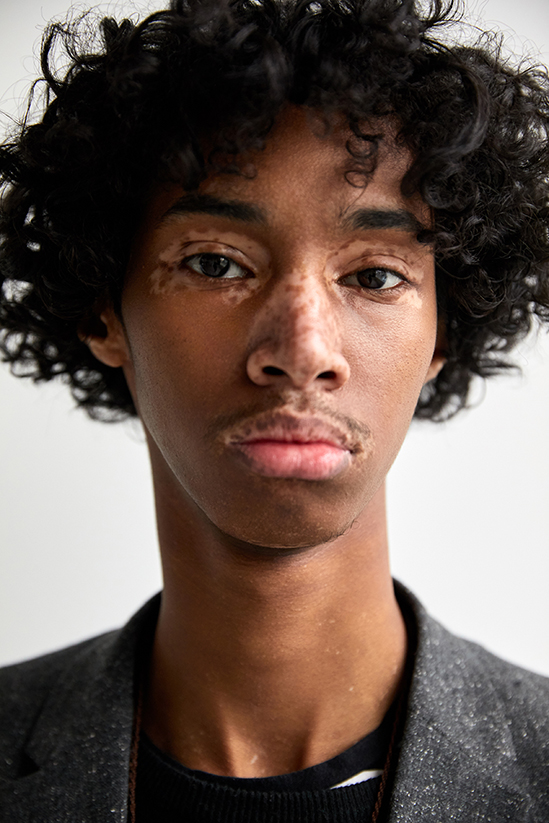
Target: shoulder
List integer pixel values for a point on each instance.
(514, 684)
(25, 688)
(524, 694)
(523, 697)
(476, 736)
(80, 693)
(459, 665)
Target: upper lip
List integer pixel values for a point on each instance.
(291, 428)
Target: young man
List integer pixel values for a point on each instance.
(275, 232)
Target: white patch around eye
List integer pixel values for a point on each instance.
(163, 278)
(162, 281)
(166, 277)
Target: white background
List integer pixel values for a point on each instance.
(468, 500)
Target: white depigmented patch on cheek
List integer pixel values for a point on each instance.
(415, 299)
(238, 292)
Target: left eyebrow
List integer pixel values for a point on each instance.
(382, 219)
(208, 204)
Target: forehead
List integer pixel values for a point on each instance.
(308, 171)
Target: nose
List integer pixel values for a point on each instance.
(295, 341)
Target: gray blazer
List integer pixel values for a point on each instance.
(475, 746)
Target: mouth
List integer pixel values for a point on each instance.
(285, 445)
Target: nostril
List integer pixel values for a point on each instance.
(272, 370)
(327, 375)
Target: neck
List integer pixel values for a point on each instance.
(266, 662)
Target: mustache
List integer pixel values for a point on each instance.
(286, 408)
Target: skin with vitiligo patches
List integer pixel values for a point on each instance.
(294, 319)
(166, 277)
(325, 327)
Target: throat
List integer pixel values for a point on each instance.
(265, 664)
(268, 696)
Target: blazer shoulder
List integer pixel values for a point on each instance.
(524, 696)
(476, 737)
(525, 693)
(502, 699)
(472, 668)
(25, 687)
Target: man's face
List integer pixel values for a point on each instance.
(278, 328)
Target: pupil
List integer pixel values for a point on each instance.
(373, 278)
(214, 266)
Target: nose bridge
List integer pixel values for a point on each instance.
(304, 311)
(299, 316)
(297, 334)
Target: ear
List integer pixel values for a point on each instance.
(108, 341)
(439, 354)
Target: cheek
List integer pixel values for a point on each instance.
(390, 362)
(181, 353)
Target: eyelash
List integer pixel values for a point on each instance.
(186, 262)
(376, 269)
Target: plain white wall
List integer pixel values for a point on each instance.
(468, 501)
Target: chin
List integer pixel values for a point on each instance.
(283, 538)
(287, 518)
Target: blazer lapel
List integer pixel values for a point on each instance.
(78, 753)
(457, 760)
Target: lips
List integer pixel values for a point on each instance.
(284, 445)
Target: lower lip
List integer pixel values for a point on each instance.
(302, 461)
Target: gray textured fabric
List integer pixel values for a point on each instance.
(475, 745)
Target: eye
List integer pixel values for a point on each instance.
(376, 279)
(214, 265)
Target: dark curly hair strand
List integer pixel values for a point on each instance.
(75, 183)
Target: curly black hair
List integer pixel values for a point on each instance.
(137, 106)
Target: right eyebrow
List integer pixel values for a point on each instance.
(208, 204)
